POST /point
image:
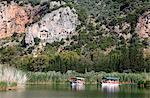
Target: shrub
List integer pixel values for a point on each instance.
(37, 41)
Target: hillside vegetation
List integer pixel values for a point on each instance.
(106, 40)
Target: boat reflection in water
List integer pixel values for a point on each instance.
(110, 84)
(110, 89)
(78, 87)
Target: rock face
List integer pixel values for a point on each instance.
(13, 18)
(143, 29)
(54, 26)
(143, 26)
(49, 27)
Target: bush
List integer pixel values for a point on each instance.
(37, 41)
(30, 49)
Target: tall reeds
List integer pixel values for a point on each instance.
(90, 77)
(11, 75)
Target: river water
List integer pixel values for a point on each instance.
(88, 91)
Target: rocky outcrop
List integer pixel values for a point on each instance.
(54, 26)
(143, 26)
(13, 18)
(50, 22)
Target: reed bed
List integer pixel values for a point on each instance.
(90, 77)
(12, 76)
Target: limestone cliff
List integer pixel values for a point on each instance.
(54, 26)
(143, 25)
(53, 21)
(13, 18)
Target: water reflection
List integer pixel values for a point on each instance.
(77, 87)
(19, 90)
(85, 91)
(110, 88)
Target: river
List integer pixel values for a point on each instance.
(65, 91)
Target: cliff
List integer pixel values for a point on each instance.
(13, 18)
(143, 30)
(54, 26)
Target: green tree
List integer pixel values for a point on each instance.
(136, 54)
(36, 41)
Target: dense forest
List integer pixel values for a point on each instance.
(94, 48)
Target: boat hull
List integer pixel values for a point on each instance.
(110, 84)
(76, 84)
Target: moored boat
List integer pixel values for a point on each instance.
(77, 81)
(110, 81)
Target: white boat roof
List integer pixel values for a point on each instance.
(80, 78)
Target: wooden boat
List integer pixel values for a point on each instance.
(77, 81)
(110, 81)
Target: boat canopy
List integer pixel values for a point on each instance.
(80, 78)
(77, 78)
(110, 78)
